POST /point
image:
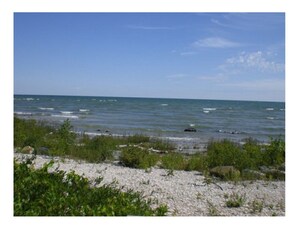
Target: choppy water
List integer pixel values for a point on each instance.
(216, 119)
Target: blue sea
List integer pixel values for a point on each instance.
(162, 118)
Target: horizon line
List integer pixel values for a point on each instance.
(142, 97)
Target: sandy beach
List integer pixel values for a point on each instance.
(185, 193)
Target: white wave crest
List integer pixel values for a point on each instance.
(65, 116)
(44, 108)
(66, 112)
(84, 110)
(23, 113)
(209, 109)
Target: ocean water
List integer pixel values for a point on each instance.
(164, 118)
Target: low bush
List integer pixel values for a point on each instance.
(253, 152)
(174, 161)
(251, 155)
(275, 152)
(63, 139)
(39, 193)
(95, 149)
(196, 162)
(136, 157)
(223, 153)
(31, 133)
(235, 200)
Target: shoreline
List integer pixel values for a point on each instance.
(184, 192)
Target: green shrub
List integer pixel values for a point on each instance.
(135, 157)
(254, 154)
(31, 133)
(99, 148)
(196, 162)
(275, 152)
(39, 193)
(223, 153)
(64, 139)
(235, 200)
(174, 161)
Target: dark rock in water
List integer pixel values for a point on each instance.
(98, 130)
(190, 130)
(225, 172)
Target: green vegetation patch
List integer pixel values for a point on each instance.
(136, 157)
(40, 193)
(251, 160)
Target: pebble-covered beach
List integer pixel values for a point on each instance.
(185, 193)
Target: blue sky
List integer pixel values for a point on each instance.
(237, 56)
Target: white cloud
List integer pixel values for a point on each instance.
(215, 42)
(255, 60)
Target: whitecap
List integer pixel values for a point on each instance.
(23, 113)
(192, 125)
(164, 104)
(209, 109)
(84, 110)
(269, 109)
(270, 118)
(206, 111)
(45, 108)
(66, 112)
(65, 116)
(29, 99)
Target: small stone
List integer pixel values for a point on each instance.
(27, 150)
